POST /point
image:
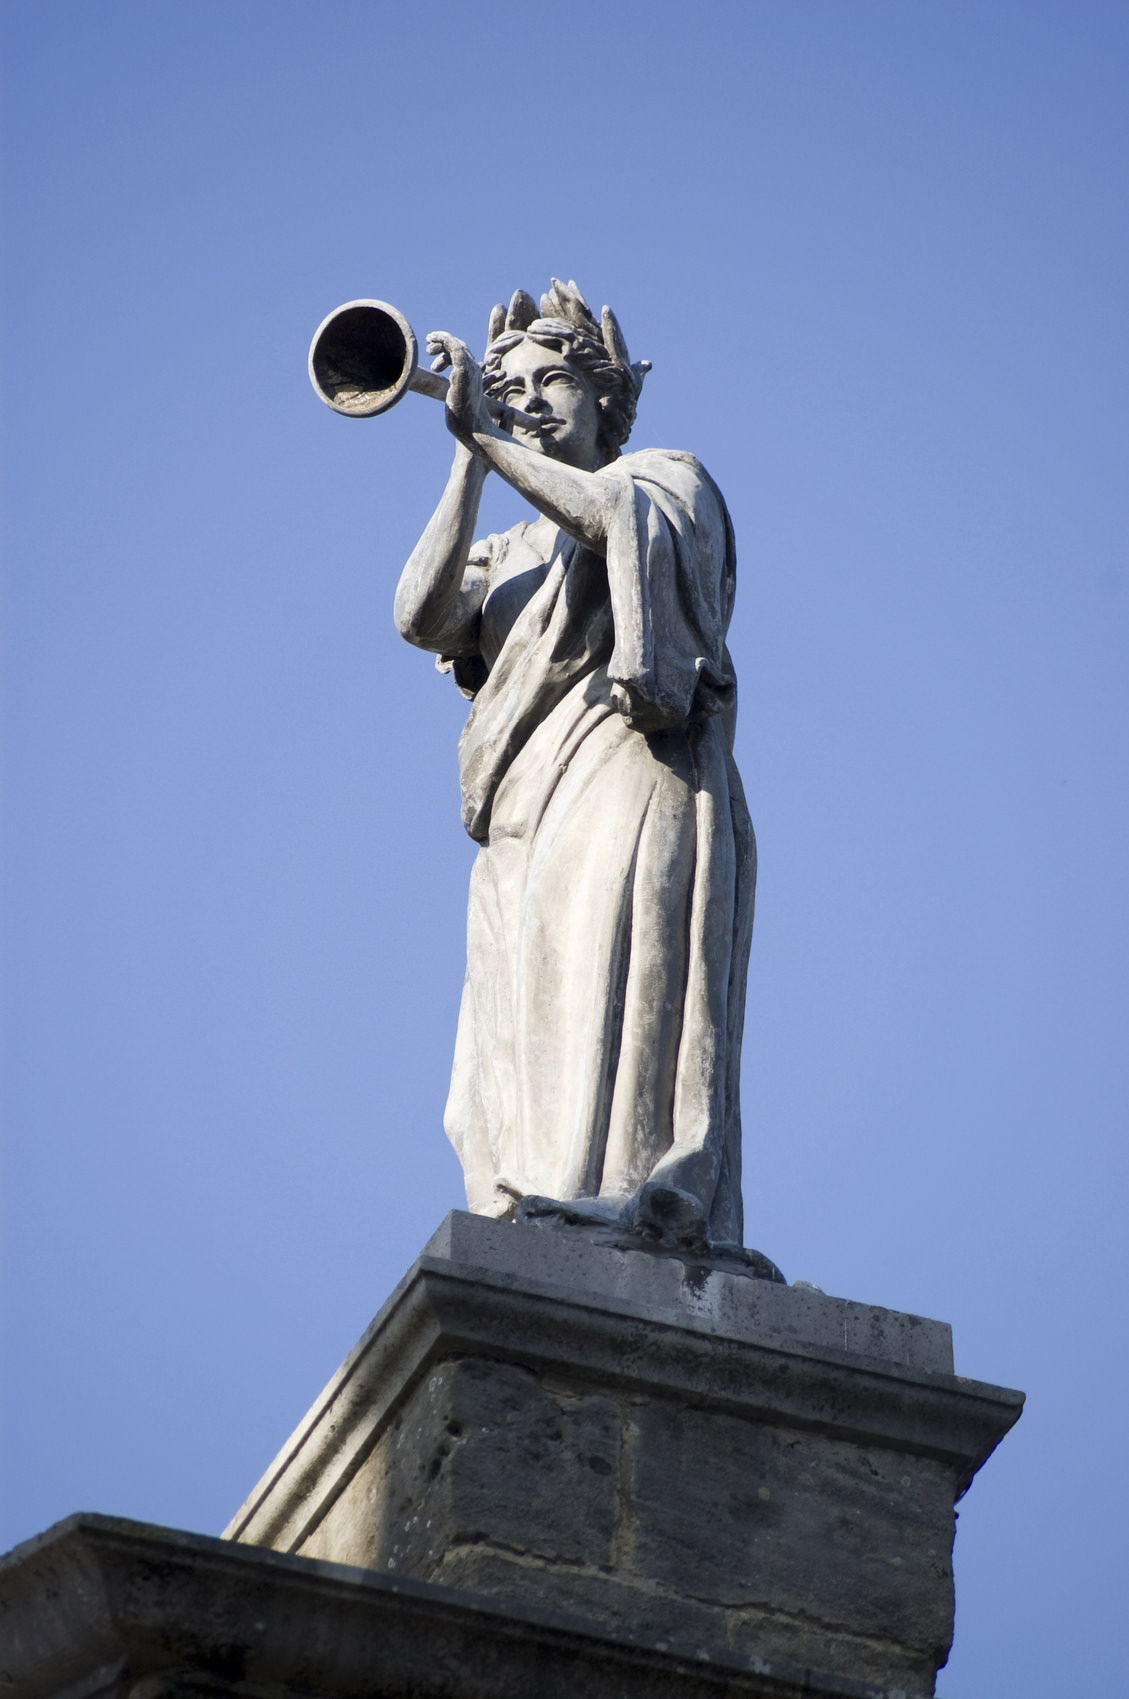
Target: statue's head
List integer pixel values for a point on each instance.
(564, 342)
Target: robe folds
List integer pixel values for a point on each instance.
(611, 901)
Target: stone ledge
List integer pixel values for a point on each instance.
(735, 1305)
(638, 1324)
(104, 1608)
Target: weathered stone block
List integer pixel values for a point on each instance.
(436, 1477)
(776, 1525)
(671, 1620)
(655, 1445)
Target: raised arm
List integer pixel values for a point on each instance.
(573, 497)
(578, 501)
(439, 597)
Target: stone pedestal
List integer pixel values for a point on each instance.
(725, 1467)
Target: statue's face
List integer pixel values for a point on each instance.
(562, 400)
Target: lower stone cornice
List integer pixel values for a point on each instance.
(103, 1608)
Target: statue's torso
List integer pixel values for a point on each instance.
(520, 560)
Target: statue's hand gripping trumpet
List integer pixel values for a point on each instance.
(597, 1063)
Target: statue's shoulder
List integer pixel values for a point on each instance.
(640, 461)
(673, 469)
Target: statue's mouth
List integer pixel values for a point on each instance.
(537, 421)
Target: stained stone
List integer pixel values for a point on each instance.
(650, 1444)
(438, 1481)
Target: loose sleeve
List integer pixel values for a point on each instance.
(670, 565)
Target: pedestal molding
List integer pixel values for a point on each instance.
(441, 1310)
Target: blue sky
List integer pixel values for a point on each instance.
(877, 255)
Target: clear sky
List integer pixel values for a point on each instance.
(877, 254)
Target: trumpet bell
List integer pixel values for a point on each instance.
(363, 358)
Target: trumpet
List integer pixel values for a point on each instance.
(364, 358)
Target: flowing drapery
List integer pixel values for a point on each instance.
(611, 901)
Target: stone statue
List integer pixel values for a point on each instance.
(597, 1062)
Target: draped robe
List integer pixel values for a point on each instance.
(611, 901)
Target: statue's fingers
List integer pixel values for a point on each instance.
(455, 349)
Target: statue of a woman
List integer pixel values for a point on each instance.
(611, 903)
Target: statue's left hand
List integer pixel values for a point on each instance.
(466, 402)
